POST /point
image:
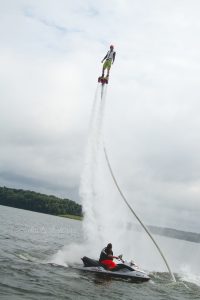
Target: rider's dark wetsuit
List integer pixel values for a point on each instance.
(106, 260)
(104, 254)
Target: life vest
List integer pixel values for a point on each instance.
(110, 55)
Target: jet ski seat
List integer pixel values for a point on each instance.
(88, 262)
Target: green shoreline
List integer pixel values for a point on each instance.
(73, 217)
(41, 203)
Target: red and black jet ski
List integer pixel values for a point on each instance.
(123, 270)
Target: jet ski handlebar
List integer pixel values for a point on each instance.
(120, 257)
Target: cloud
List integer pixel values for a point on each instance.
(50, 57)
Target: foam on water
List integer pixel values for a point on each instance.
(187, 274)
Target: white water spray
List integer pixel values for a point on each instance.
(89, 179)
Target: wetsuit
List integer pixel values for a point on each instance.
(106, 260)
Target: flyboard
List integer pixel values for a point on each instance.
(103, 80)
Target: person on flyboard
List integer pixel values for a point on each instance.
(109, 60)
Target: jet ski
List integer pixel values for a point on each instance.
(125, 270)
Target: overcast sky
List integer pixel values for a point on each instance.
(50, 58)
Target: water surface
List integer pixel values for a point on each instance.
(30, 241)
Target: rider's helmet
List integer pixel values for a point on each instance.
(109, 246)
(111, 47)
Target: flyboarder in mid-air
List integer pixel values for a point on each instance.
(109, 60)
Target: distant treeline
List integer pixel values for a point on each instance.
(38, 202)
(176, 234)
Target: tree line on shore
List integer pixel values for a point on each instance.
(38, 202)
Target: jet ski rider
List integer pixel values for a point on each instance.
(106, 257)
(109, 59)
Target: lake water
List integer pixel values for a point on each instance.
(35, 251)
